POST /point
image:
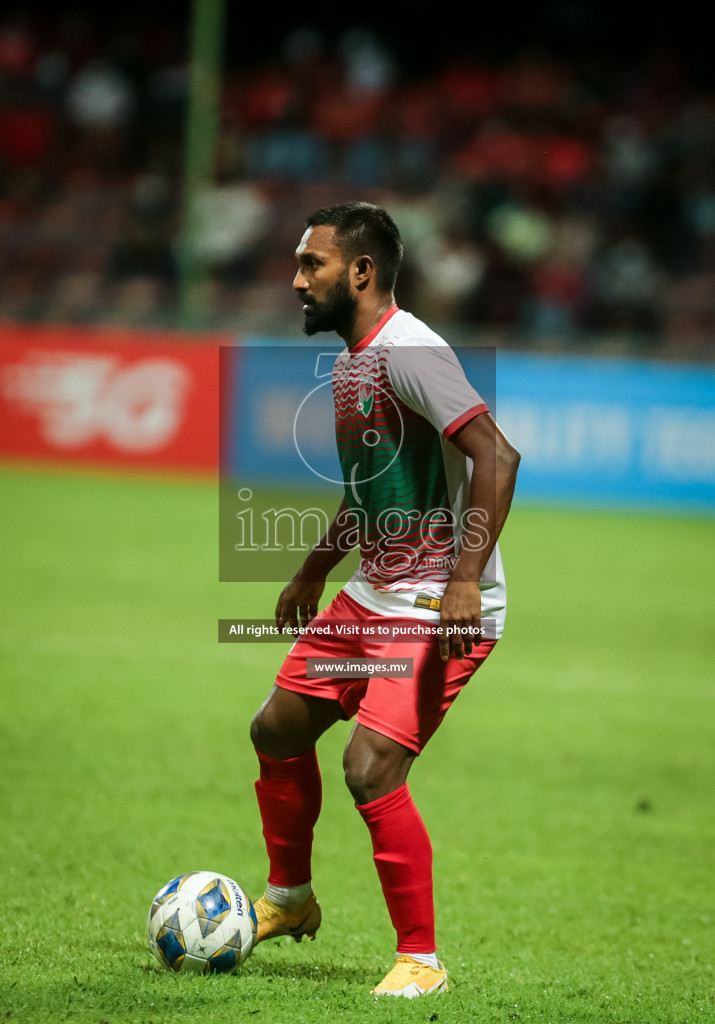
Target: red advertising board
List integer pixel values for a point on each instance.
(109, 397)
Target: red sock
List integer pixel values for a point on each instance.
(403, 857)
(289, 798)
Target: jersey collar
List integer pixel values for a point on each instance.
(375, 331)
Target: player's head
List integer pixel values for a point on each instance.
(362, 229)
(347, 254)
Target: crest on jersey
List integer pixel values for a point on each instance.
(365, 397)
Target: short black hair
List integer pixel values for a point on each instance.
(363, 229)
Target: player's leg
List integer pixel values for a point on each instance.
(396, 719)
(289, 792)
(376, 770)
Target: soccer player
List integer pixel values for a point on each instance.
(429, 479)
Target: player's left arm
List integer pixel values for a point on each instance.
(495, 463)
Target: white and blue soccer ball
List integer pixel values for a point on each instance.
(200, 923)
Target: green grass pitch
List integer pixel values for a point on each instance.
(569, 793)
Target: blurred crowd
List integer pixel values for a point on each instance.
(543, 201)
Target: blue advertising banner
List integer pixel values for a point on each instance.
(610, 432)
(598, 432)
(281, 427)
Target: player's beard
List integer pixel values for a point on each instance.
(336, 313)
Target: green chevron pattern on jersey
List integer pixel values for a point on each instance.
(393, 468)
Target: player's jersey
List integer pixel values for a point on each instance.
(399, 396)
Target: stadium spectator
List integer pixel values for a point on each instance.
(584, 188)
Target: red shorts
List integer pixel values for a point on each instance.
(406, 710)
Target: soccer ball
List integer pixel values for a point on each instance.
(202, 922)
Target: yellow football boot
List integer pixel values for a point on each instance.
(274, 921)
(409, 978)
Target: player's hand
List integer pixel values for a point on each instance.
(460, 611)
(298, 601)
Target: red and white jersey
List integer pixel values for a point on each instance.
(400, 394)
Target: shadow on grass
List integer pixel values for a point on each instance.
(282, 969)
(323, 972)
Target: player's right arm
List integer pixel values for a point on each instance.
(299, 598)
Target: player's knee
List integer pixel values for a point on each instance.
(368, 775)
(361, 783)
(257, 730)
(267, 735)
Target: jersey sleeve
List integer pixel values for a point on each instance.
(429, 379)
